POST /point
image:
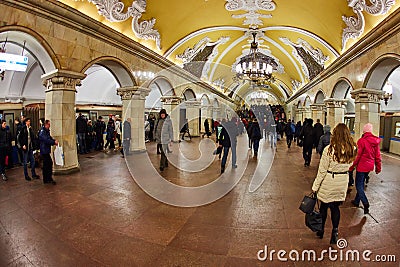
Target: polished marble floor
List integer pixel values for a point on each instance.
(101, 217)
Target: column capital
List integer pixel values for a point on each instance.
(365, 95)
(335, 103)
(171, 100)
(133, 92)
(63, 80)
(317, 107)
(300, 109)
(193, 104)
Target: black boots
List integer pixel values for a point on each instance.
(366, 208)
(334, 236)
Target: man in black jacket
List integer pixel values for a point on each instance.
(4, 143)
(318, 132)
(81, 130)
(46, 141)
(99, 128)
(26, 139)
(307, 136)
(227, 139)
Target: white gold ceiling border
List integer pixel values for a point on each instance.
(113, 11)
(252, 17)
(315, 53)
(355, 25)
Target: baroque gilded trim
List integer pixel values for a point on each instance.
(355, 25)
(113, 11)
(252, 17)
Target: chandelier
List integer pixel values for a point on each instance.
(388, 92)
(256, 67)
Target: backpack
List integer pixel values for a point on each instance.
(293, 128)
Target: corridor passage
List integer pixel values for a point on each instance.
(101, 217)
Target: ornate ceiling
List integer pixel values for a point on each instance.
(206, 37)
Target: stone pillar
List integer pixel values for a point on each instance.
(217, 113)
(206, 113)
(60, 110)
(299, 115)
(317, 112)
(307, 113)
(133, 99)
(192, 114)
(171, 105)
(335, 111)
(367, 108)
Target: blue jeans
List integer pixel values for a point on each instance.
(360, 180)
(28, 156)
(225, 156)
(256, 144)
(233, 146)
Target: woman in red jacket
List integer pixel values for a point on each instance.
(368, 157)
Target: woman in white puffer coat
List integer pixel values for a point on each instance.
(332, 178)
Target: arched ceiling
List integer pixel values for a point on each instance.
(303, 36)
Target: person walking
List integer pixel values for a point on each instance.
(324, 140)
(368, 157)
(307, 137)
(118, 126)
(19, 126)
(4, 146)
(126, 137)
(110, 136)
(163, 132)
(225, 143)
(185, 129)
(330, 185)
(46, 141)
(318, 132)
(206, 128)
(26, 139)
(99, 128)
(290, 129)
(255, 136)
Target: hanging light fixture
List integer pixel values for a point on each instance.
(256, 67)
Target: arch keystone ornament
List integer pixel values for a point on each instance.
(60, 110)
(367, 109)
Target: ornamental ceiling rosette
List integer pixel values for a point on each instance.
(252, 17)
(113, 11)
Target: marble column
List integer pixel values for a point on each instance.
(318, 112)
(299, 115)
(171, 105)
(133, 99)
(367, 108)
(206, 114)
(217, 113)
(307, 113)
(193, 114)
(335, 111)
(60, 110)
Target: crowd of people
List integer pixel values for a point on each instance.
(29, 145)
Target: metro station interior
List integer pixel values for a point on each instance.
(203, 62)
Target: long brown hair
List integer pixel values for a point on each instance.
(342, 145)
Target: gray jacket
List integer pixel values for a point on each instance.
(324, 141)
(163, 131)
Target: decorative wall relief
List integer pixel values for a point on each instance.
(113, 10)
(197, 60)
(295, 84)
(312, 60)
(355, 25)
(252, 17)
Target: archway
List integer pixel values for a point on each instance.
(190, 112)
(319, 98)
(385, 75)
(342, 90)
(16, 87)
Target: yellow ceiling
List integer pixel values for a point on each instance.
(315, 21)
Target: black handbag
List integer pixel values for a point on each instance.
(314, 221)
(308, 203)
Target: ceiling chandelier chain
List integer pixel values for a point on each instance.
(256, 67)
